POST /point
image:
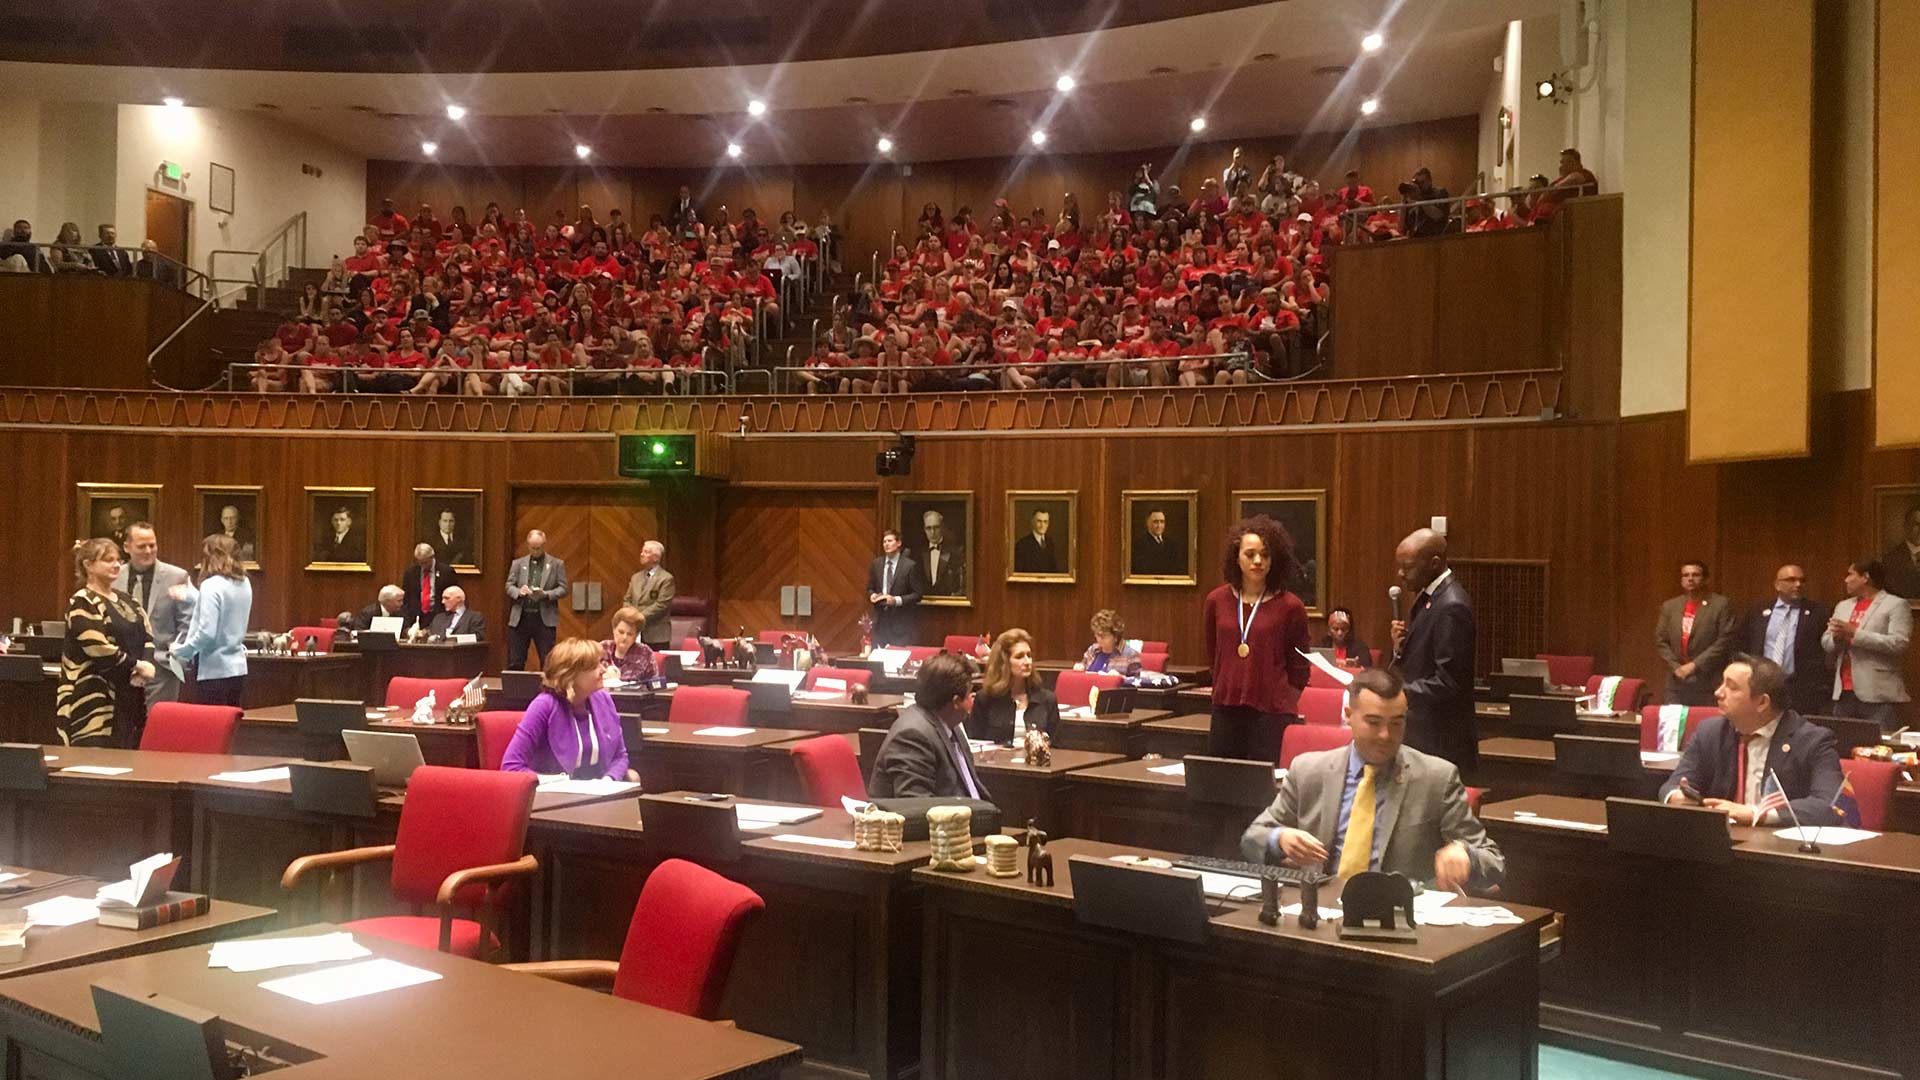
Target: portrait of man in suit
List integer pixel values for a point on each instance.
(235, 514)
(1042, 541)
(1160, 538)
(450, 521)
(339, 520)
(106, 510)
(936, 528)
(1897, 523)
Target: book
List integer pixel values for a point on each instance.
(147, 882)
(172, 907)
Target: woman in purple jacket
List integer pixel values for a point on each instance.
(571, 729)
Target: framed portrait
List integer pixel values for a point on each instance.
(1896, 532)
(220, 187)
(107, 509)
(449, 519)
(1157, 537)
(1041, 527)
(1303, 513)
(238, 512)
(936, 531)
(339, 528)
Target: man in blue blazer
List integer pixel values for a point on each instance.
(1730, 756)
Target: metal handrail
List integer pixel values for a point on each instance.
(281, 239)
(1456, 208)
(968, 369)
(236, 382)
(179, 275)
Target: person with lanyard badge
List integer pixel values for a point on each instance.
(572, 728)
(1110, 650)
(1255, 631)
(1869, 634)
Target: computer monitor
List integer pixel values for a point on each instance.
(23, 767)
(392, 755)
(520, 686)
(765, 696)
(1679, 833)
(1587, 755)
(1138, 899)
(765, 654)
(671, 667)
(1514, 665)
(378, 640)
(149, 1035)
(1502, 686)
(1544, 714)
(690, 827)
(320, 722)
(1229, 781)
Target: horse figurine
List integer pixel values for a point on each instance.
(1039, 859)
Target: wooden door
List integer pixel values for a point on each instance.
(824, 539)
(167, 220)
(598, 531)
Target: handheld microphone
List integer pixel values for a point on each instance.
(1393, 594)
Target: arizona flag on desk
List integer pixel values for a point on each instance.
(1845, 804)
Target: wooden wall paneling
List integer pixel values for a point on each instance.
(1896, 351)
(566, 515)
(606, 189)
(768, 539)
(1584, 310)
(1484, 318)
(31, 345)
(38, 509)
(1667, 513)
(1384, 307)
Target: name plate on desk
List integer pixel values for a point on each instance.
(1139, 899)
(23, 767)
(1680, 833)
(690, 826)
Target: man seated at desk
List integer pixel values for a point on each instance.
(1730, 756)
(925, 752)
(1376, 804)
(392, 602)
(456, 617)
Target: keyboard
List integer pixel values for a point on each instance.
(1285, 875)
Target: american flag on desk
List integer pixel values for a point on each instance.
(1772, 796)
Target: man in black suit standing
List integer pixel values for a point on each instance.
(1730, 757)
(893, 587)
(1433, 650)
(1036, 552)
(1787, 632)
(1154, 553)
(107, 257)
(425, 584)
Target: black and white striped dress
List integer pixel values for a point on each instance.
(95, 705)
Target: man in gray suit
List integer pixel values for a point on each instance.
(650, 592)
(1868, 638)
(167, 594)
(1377, 804)
(925, 753)
(535, 583)
(1695, 636)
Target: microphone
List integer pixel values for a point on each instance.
(1393, 594)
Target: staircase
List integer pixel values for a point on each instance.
(798, 334)
(234, 332)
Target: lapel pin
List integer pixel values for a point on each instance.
(1786, 747)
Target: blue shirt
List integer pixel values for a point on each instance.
(217, 635)
(1380, 780)
(1783, 625)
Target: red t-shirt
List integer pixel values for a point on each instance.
(1273, 672)
(1854, 618)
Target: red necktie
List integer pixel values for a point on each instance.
(1740, 776)
(426, 590)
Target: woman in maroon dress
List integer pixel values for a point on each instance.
(1256, 634)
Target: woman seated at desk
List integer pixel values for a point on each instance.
(1011, 697)
(1110, 650)
(572, 728)
(1348, 650)
(623, 653)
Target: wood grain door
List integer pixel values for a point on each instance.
(167, 221)
(823, 539)
(598, 531)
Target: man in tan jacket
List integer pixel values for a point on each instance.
(651, 594)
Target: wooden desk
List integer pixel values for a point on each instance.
(50, 948)
(1510, 768)
(1023, 791)
(1015, 987)
(271, 730)
(1658, 954)
(676, 757)
(833, 964)
(1177, 736)
(475, 1020)
(1119, 734)
(278, 680)
(1193, 699)
(435, 660)
(1128, 803)
(1495, 719)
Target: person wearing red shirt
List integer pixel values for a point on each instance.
(293, 335)
(1156, 349)
(1574, 181)
(320, 367)
(364, 262)
(389, 223)
(1256, 638)
(1028, 359)
(1353, 193)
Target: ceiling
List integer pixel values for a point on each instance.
(1275, 68)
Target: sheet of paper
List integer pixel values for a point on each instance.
(779, 676)
(1826, 836)
(852, 805)
(254, 776)
(1173, 768)
(603, 786)
(819, 695)
(724, 732)
(1335, 671)
(891, 660)
(1467, 915)
(1658, 757)
(656, 731)
(784, 815)
(1530, 818)
(1430, 900)
(1326, 913)
(99, 770)
(263, 954)
(63, 911)
(329, 985)
(832, 686)
(1229, 886)
(816, 841)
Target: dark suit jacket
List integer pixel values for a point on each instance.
(111, 261)
(1807, 686)
(1165, 558)
(992, 715)
(953, 571)
(369, 613)
(1903, 571)
(1032, 557)
(471, 622)
(352, 548)
(458, 553)
(915, 761)
(895, 625)
(1802, 755)
(1358, 655)
(443, 576)
(1436, 660)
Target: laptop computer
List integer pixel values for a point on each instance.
(1544, 713)
(1514, 665)
(1587, 755)
(520, 685)
(1229, 781)
(392, 755)
(1138, 899)
(1680, 833)
(320, 722)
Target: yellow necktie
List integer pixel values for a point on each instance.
(1356, 853)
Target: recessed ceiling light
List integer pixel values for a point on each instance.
(756, 107)
(1197, 124)
(429, 148)
(733, 149)
(456, 112)
(1064, 84)
(172, 102)
(1369, 106)
(885, 145)
(582, 151)
(1038, 138)
(1372, 42)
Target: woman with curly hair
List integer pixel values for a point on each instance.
(1255, 632)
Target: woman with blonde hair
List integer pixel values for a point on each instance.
(1011, 697)
(107, 657)
(217, 635)
(571, 729)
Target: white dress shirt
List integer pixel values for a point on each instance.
(1757, 745)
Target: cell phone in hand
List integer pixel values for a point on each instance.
(1691, 793)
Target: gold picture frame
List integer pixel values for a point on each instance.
(351, 552)
(1055, 557)
(1303, 512)
(468, 505)
(955, 587)
(249, 503)
(105, 510)
(1143, 561)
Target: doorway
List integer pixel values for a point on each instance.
(597, 531)
(169, 225)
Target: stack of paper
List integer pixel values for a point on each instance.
(1470, 916)
(98, 770)
(603, 786)
(724, 732)
(762, 816)
(253, 776)
(328, 985)
(63, 911)
(262, 954)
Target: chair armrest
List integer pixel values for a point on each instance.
(571, 972)
(332, 860)
(460, 879)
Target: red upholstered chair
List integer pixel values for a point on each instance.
(1567, 670)
(1301, 738)
(404, 691)
(1628, 698)
(829, 769)
(494, 728)
(851, 676)
(322, 637)
(463, 835)
(962, 644)
(1650, 724)
(1317, 677)
(1153, 661)
(713, 706)
(1873, 783)
(190, 729)
(680, 944)
(1074, 687)
(1153, 647)
(690, 644)
(1322, 705)
(772, 637)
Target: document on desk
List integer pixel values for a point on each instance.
(263, 954)
(778, 815)
(816, 841)
(99, 770)
(254, 776)
(605, 785)
(1659, 757)
(1528, 817)
(724, 732)
(1177, 768)
(328, 985)
(1468, 915)
(1826, 835)
(1229, 886)
(63, 911)
(1431, 900)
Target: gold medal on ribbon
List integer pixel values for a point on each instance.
(1245, 649)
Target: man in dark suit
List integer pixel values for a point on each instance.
(1902, 560)
(943, 563)
(1787, 632)
(450, 542)
(1036, 552)
(1155, 554)
(392, 603)
(1694, 636)
(107, 257)
(456, 617)
(893, 588)
(925, 753)
(682, 215)
(1433, 650)
(1730, 756)
(425, 584)
(342, 542)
